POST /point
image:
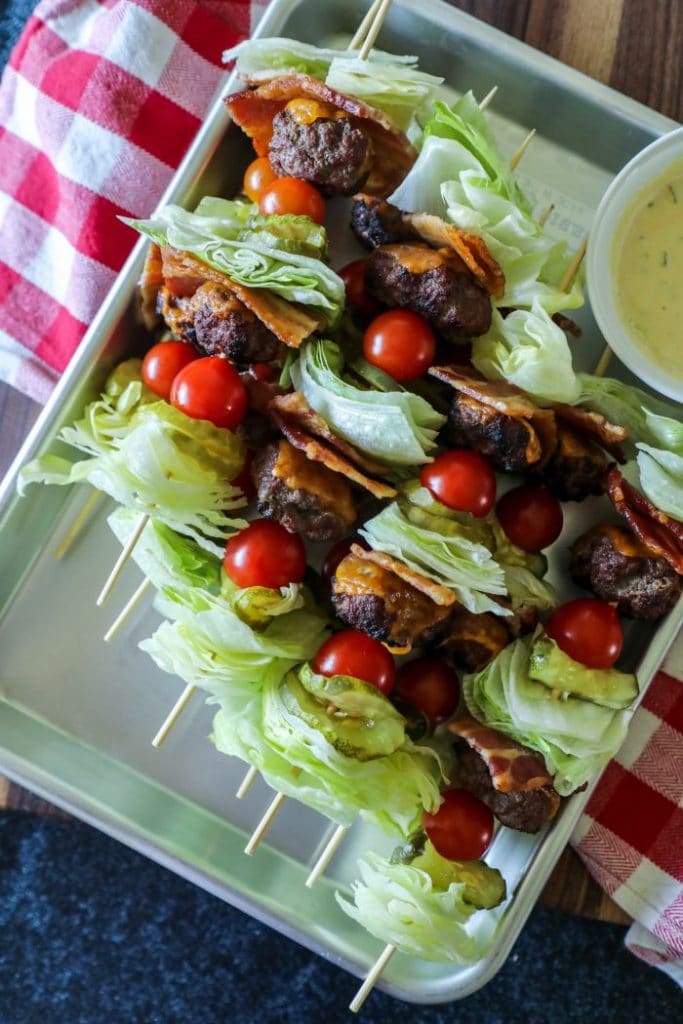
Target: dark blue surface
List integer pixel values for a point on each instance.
(92, 933)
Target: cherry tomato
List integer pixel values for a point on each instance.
(462, 828)
(352, 653)
(292, 195)
(244, 479)
(430, 685)
(258, 176)
(336, 554)
(264, 554)
(262, 371)
(401, 343)
(588, 630)
(462, 480)
(353, 276)
(210, 389)
(163, 363)
(531, 517)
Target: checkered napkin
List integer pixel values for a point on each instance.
(97, 107)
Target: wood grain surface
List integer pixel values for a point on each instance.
(635, 46)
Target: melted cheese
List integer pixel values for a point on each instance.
(417, 259)
(624, 542)
(306, 111)
(298, 472)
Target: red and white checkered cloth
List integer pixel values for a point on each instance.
(97, 107)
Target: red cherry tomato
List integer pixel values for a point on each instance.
(352, 653)
(430, 685)
(292, 195)
(462, 480)
(262, 371)
(336, 554)
(401, 343)
(588, 630)
(462, 828)
(258, 176)
(163, 363)
(531, 517)
(353, 276)
(210, 389)
(264, 554)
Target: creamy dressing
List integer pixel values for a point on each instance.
(649, 271)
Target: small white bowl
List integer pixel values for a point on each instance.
(642, 170)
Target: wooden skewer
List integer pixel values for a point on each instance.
(130, 605)
(375, 28)
(603, 362)
(265, 823)
(488, 98)
(89, 506)
(174, 714)
(364, 26)
(326, 856)
(522, 150)
(122, 559)
(543, 219)
(247, 782)
(571, 271)
(369, 983)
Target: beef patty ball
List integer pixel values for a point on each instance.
(576, 468)
(436, 284)
(304, 496)
(375, 222)
(217, 323)
(375, 600)
(612, 563)
(508, 442)
(329, 151)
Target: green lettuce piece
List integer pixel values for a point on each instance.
(383, 80)
(233, 238)
(394, 426)
(207, 644)
(467, 567)
(399, 904)
(393, 790)
(661, 477)
(575, 737)
(528, 349)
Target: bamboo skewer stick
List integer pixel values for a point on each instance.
(246, 783)
(89, 506)
(545, 216)
(126, 552)
(571, 271)
(265, 823)
(129, 607)
(603, 362)
(364, 26)
(371, 980)
(515, 159)
(375, 28)
(326, 856)
(174, 714)
(488, 98)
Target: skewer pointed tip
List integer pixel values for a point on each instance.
(371, 980)
(264, 824)
(246, 783)
(488, 99)
(514, 161)
(173, 716)
(326, 856)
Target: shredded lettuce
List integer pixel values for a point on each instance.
(575, 737)
(282, 254)
(395, 426)
(527, 349)
(399, 904)
(444, 555)
(383, 80)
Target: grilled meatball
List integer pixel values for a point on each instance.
(434, 283)
(612, 563)
(526, 811)
(368, 597)
(304, 496)
(330, 152)
(576, 468)
(508, 442)
(376, 222)
(473, 640)
(217, 323)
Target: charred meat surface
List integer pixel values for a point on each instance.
(331, 152)
(526, 810)
(436, 284)
(473, 640)
(217, 323)
(369, 597)
(376, 222)
(612, 563)
(305, 497)
(576, 469)
(508, 442)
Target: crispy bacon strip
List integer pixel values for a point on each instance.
(595, 427)
(471, 249)
(512, 767)
(288, 321)
(150, 282)
(661, 534)
(254, 109)
(300, 425)
(436, 591)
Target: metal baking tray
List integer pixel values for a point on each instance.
(76, 715)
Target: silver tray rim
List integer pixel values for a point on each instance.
(30, 775)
